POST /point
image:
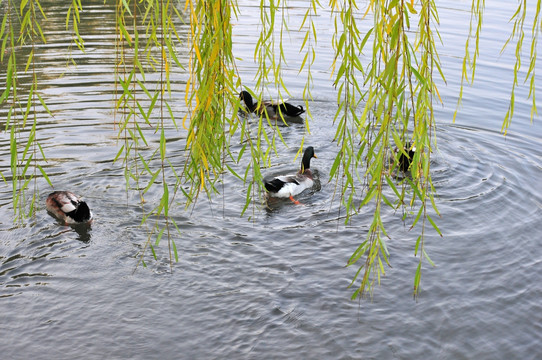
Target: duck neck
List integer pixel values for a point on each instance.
(247, 98)
(306, 163)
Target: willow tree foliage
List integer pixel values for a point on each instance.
(385, 100)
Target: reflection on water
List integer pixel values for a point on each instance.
(83, 231)
(273, 281)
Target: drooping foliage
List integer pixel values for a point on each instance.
(386, 89)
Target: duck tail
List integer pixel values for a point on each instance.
(273, 186)
(291, 110)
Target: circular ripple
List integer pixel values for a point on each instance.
(487, 174)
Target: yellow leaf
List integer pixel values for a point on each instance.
(204, 159)
(184, 122)
(189, 139)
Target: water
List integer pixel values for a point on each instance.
(276, 286)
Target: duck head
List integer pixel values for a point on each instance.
(247, 98)
(81, 213)
(307, 156)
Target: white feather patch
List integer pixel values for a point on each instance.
(67, 207)
(66, 201)
(292, 189)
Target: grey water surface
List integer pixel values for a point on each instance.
(273, 284)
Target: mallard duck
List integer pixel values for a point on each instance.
(67, 207)
(273, 110)
(404, 161)
(287, 186)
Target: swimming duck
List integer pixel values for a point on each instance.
(405, 161)
(287, 186)
(273, 110)
(67, 207)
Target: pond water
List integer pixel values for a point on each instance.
(276, 286)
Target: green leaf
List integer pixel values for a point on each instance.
(420, 78)
(124, 32)
(153, 179)
(165, 200)
(233, 172)
(175, 254)
(428, 259)
(3, 28)
(44, 104)
(162, 145)
(159, 236)
(417, 278)
(45, 175)
(119, 153)
(434, 225)
(335, 165)
(126, 7)
(23, 5)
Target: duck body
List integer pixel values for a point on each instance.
(269, 108)
(404, 161)
(66, 206)
(287, 186)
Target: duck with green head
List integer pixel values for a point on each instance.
(287, 186)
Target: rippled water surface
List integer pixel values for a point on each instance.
(275, 286)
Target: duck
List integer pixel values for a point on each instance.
(405, 160)
(269, 108)
(287, 186)
(68, 207)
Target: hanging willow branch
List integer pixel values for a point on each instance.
(385, 100)
(396, 95)
(21, 121)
